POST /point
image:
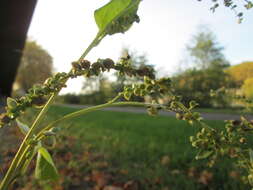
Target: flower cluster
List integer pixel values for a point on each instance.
(153, 88)
(150, 87)
(232, 142)
(182, 112)
(124, 67)
(37, 96)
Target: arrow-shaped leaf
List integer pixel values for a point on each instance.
(45, 168)
(23, 127)
(117, 16)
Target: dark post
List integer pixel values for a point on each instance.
(15, 18)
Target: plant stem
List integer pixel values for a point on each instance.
(94, 43)
(9, 177)
(87, 110)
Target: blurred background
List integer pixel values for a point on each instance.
(199, 50)
(207, 56)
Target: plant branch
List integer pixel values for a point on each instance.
(84, 111)
(9, 177)
(12, 169)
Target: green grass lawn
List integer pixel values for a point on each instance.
(154, 151)
(224, 110)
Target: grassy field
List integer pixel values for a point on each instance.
(232, 110)
(134, 149)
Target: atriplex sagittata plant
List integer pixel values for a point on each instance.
(115, 17)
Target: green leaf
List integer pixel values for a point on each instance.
(23, 127)
(45, 168)
(203, 154)
(117, 16)
(251, 156)
(29, 157)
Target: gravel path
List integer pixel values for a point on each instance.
(208, 116)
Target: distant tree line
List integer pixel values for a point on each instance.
(209, 71)
(212, 72)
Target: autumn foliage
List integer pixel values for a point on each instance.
(241, 72)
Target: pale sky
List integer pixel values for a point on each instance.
(66, 27)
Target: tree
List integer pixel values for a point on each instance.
(36, 66)
(248, 88)
(207, 72)
(206, 51)
(241, 72)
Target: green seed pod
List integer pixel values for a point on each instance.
(229, 130)
(193, 104)
(179, 116)
(142, 93)
(199, 135)
(203, 131)
(147, 80)
(192, 138)
(242, 140)
(148, 87)
(48, 81)
(173, 105)
(142, 86)
(11, 103)
(190, 122)
(208, 134)
(152, 111)
(128, 89)
(196, 143)
(127, 95)
(137, 92)
(250, 178)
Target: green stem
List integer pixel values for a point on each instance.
(87, 110)
(12, 171)
(21, 155)
(8, 178)
(94, 43)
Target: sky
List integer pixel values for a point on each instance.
(65, 28)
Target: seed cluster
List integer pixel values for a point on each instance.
(233, 142)
(153, 88)
(233, 6)
(37, 96)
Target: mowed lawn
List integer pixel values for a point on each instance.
(153, 151)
